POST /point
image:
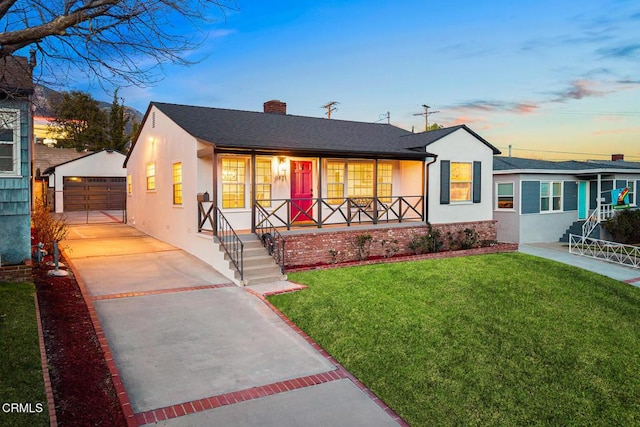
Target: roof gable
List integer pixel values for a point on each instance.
(81, 158)
(424, 139)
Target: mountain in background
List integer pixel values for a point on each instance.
(43, 98)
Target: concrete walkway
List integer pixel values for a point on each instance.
(193, 349)
(560, 252)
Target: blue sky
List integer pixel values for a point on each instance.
(553, 79)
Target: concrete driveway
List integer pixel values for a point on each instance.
(193, 349)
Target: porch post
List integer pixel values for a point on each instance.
(253, 193)
(214, 190)
(375, 191)
(320, 192)
(598, 198)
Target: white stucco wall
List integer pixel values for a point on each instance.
(102, 163)
(460, 146)
(153, 212)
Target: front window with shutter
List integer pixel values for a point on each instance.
(461, 181)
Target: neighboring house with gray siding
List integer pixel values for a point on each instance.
(538, 200)
(16, 88)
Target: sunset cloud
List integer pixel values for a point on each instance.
(579, 89)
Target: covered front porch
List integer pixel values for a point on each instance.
(260, 190)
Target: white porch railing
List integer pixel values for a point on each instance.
(602, 249)
(603, 213)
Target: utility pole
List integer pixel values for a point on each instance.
(331, 107)
(426, 116)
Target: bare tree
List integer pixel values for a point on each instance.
(116, 41)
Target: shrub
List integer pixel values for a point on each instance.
(428, 243)
(624, 226)
(390, 247)
(363, 246)
(334, 256)
(463, 239)
(49, 227)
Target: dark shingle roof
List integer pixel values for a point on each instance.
(15, 76)
(254, 130)
(521, 164)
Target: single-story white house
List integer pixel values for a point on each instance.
(543, 201)
(305, 179)
(95, 181)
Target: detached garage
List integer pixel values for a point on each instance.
(96, 181)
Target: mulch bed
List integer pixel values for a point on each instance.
(82, 388)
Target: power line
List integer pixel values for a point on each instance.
(536, 150)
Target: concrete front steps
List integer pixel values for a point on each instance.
(259, 266)
(576, 228)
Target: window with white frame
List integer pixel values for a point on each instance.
(9, 143)
(504, 195)
(631, 185)
(461, 182)
(263, 181)
(550, 196)
(233, 182)
(335, 182)
(177, 183)
(385, 182)
(359, 179)
(151, 176)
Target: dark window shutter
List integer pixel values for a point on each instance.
(477, 181)
(530, 197)
(570, 195)
(445, 181)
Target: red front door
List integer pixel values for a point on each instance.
(301, 191)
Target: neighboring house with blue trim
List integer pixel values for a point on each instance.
(16, 88)
(539, 201)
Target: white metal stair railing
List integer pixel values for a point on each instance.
(591, 223)
(618, 253)
(599, 214)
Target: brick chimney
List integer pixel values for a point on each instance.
(275, 107)
(617, 157)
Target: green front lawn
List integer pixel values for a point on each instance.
(20, 368)
(503, 339)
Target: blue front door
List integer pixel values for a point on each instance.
(583, 200)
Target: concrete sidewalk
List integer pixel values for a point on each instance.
(193, 349)
(560, 252)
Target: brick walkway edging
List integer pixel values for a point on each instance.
(53, 420)
(123, 397)
(330, 358)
